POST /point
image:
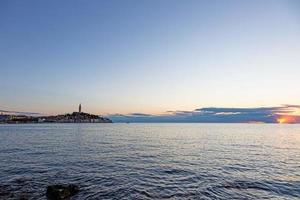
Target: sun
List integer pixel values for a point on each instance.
(281, 120)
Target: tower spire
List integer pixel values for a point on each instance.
(80, 108)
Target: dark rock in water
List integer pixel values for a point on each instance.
(5, 192)
(57, 192)
(23, 196)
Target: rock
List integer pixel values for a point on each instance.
(5, 192)
(23, 196)
(57, 192)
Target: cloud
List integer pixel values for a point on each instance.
(140, 115)
(217, 115)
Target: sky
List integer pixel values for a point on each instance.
(148, 57)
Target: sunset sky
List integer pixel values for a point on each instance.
(150, 57)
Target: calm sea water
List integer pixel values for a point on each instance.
(152, 161)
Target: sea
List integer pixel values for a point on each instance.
(151, 160)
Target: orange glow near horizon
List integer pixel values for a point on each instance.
(287, 119)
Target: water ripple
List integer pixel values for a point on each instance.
(153, 161)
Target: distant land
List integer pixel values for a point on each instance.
(75, 117)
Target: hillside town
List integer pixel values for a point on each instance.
(75, 117)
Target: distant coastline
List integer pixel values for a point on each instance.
(75, 117)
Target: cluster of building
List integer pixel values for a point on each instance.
(75, 117)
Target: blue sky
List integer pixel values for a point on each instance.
(148, 56)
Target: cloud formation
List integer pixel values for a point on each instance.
(280, 114)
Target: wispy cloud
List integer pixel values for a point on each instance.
(288, 114)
